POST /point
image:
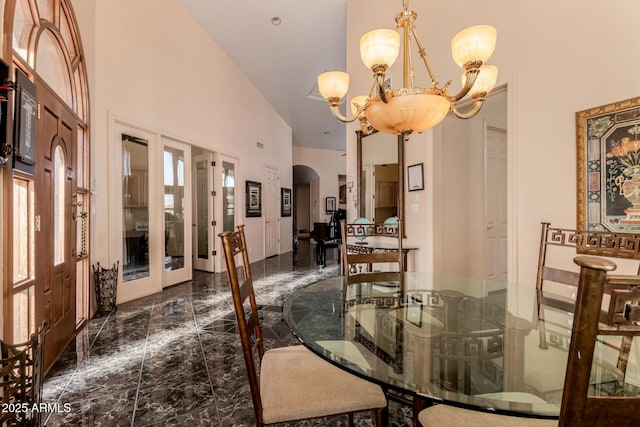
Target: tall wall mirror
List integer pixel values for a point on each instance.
(380, 186)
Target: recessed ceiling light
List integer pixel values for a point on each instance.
(276, 21)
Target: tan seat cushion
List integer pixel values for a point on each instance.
(445, 415)
(296, 384)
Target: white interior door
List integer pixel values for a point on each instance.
(495, 203)
(271, 202)
(368, 199)
(226, 201)
(203, 223)
(136, 211)
(177, 209)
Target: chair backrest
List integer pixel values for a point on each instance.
(359, 257)
(235, 244)
(320, 231)
(579, 408)
(603, 243)
(21, 375)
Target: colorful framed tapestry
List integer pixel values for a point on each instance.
(608, 167)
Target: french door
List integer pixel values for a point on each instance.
(137, 211)
(495, 204)
(153, 211)
(214, 206)
(203, 217)
(177, 205)
(226, 208)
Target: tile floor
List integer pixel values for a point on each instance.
(174, 358)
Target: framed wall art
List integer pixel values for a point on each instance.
(330, 204)
(415, 177)
(25, 124)
(285, 202)
(253, 194)
(608, 167)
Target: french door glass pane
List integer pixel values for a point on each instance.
(202, 207)
(228, 202)
(173, 209)
(135, 203)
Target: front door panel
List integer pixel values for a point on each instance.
(55, 228)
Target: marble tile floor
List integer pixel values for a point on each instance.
(173, 358)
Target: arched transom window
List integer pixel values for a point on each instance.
(45, 39)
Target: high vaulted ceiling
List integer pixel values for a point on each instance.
(282, 61)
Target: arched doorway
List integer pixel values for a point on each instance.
(305, 187)
(47, 273)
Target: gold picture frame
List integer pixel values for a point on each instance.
(608, 167)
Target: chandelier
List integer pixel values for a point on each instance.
(413, 108)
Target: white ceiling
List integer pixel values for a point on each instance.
(283, 61)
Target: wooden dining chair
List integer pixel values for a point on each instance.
(21, 379)
(360, 258)
(578, 407)
(555, 240)
(290, 383)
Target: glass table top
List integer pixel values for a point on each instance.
(474, 342)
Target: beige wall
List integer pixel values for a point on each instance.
(155, 68)
(556, 57)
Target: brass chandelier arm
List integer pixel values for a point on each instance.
(379, 84)
(335, 110)
(477, 105)
(470, 78)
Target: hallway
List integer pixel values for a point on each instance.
(174, 358)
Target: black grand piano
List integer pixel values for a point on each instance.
(327, 235)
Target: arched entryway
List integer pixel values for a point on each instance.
(305, 189)
(47, 273)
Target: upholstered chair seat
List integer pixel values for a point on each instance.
(445, 415)
(296, 384)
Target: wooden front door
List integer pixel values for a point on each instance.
(55, 237)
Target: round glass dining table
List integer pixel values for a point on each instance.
(428, 337)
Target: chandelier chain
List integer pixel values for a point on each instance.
(423, 55)
(412, 71)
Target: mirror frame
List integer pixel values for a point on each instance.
(359, 183)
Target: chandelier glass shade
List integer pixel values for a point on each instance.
(413, 108)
